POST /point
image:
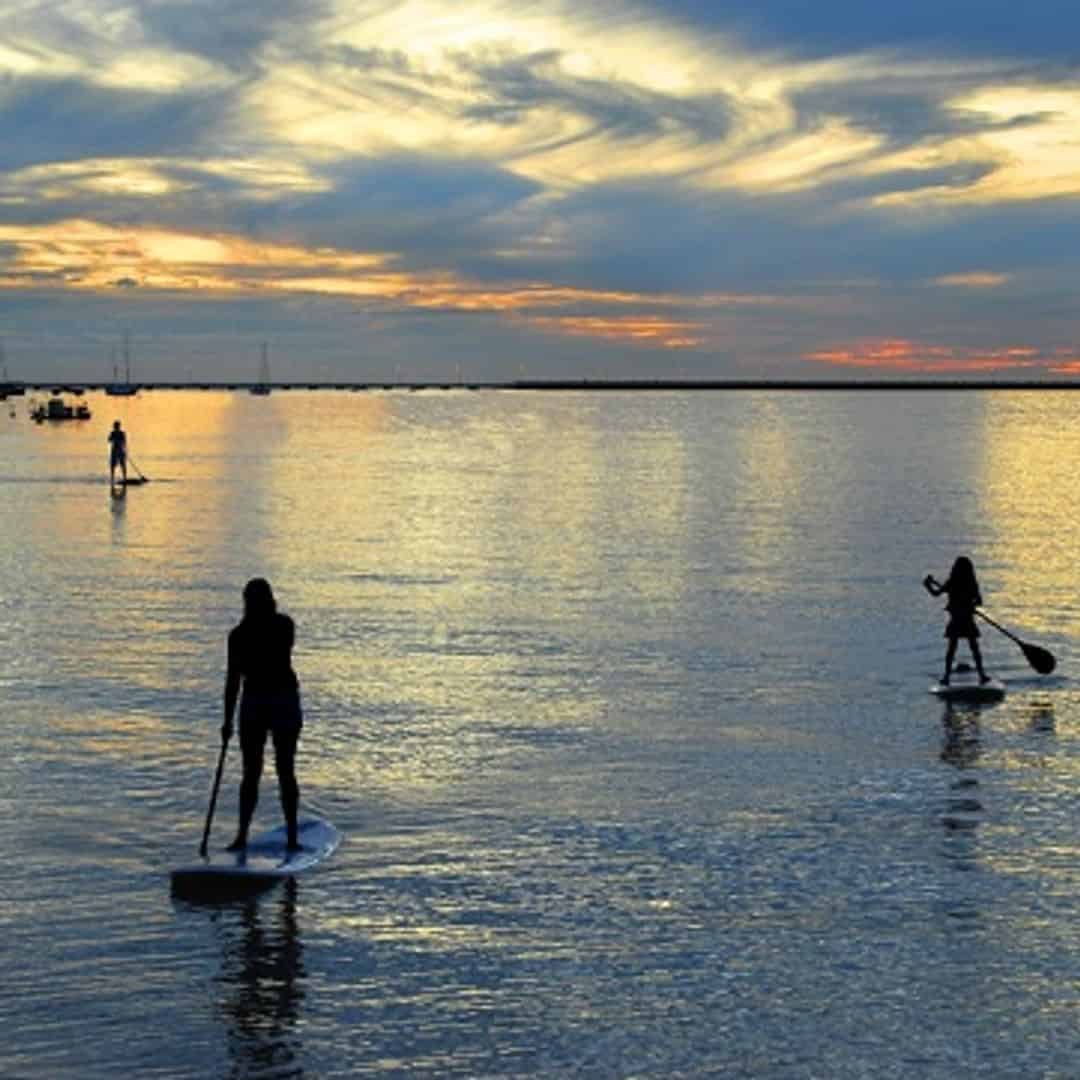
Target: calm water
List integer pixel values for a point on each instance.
(620, 702)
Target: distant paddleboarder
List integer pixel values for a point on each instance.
(117, 452)
(962, 589)
(260, 659)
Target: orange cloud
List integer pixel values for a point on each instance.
(975, 279)
(915, 357)
(630, 329)
(88, 256)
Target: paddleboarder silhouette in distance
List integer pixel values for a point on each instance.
(260, 661)
(962, 589)
(117, 452)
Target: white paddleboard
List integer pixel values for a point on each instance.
(965, 686)
(264, 862)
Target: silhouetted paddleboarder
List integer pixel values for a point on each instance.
(260, 659)
(962, 588)
(117, 453)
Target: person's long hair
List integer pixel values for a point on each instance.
(259, 603)
(961, 578)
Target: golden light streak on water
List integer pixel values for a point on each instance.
(1032, 502)
(619, 701)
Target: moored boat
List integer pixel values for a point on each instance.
(56, 408)
(126, 388)
(262, 387)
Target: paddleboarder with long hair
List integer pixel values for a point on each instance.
(962, 589)
(260, 661)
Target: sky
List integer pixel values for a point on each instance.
(498, 189)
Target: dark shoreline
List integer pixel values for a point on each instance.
(598, 385)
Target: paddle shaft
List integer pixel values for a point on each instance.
(1042, 660)
(131, 462)
(213, 797)
(998, 626)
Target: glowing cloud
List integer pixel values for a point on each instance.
(976, 279)
(510, 159)
(913, 357)
(630, 330)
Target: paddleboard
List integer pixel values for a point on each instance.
(966, 687)
(263, 863)
(131, 481)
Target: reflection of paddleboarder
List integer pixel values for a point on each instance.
(117, 452)
(260, 657)
(962, 589)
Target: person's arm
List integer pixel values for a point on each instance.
(232, 691)
(934, 588)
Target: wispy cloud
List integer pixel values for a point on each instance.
(468, 155)
(974, 279)
(923, 358)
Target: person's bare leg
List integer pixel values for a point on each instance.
(950, 656)
(285, 763)
(249, 791)
(976, 655)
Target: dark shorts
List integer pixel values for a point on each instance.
(962, 626)
(277, 712)
(116, 458)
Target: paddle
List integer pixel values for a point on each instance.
(1040, 659)
(131, 462)
(213, 797)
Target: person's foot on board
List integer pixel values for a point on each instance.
(239, 844)
(983, 678)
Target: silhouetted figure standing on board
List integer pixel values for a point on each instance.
(962, 588)
(260, 658)
(117, 452)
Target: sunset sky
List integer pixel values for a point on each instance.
(760, 189)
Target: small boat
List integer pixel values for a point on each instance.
(58, 409)
(7, 387)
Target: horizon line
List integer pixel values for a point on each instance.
(16, 388)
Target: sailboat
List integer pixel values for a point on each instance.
(122, 389)
(262, 387)
(7, 387)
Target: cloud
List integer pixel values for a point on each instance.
(923, 358)
(427, 208)
(961, 28)
(229, 35)
(674, 177)
(974, 279)
(46, 120)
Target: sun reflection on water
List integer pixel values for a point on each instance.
(619, 702)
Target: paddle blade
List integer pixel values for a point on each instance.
(1040, 659)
